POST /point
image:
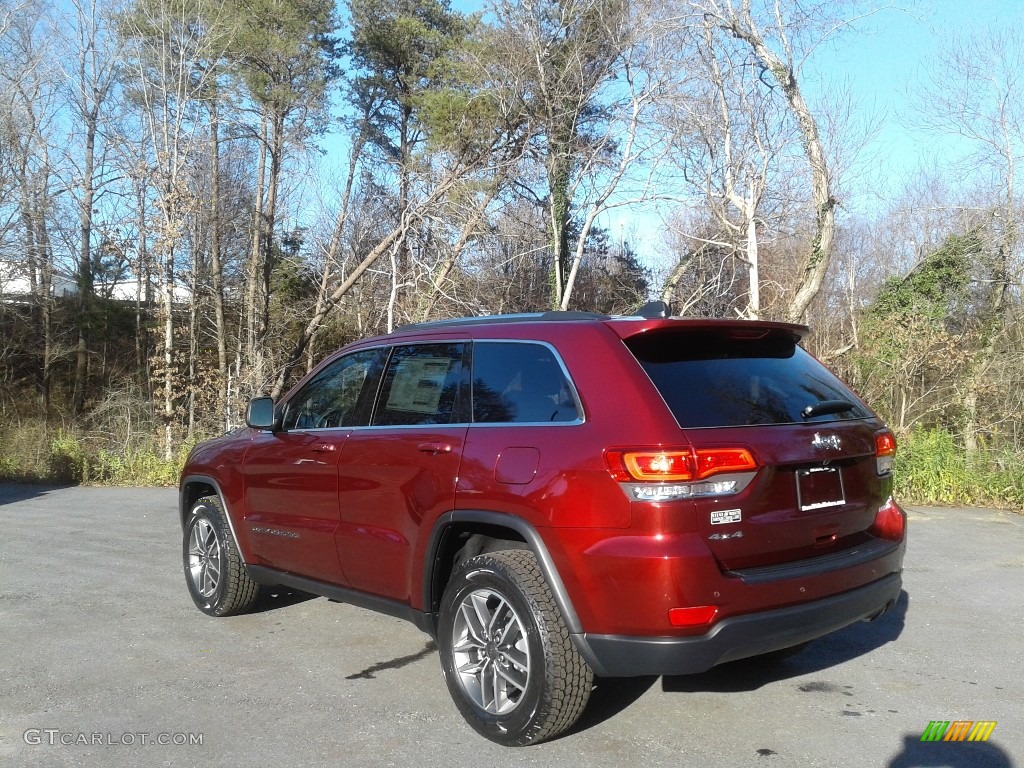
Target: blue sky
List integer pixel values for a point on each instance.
(886, 57)
(880, 60)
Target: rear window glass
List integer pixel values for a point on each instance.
(715, 379)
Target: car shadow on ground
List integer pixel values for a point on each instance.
(12, 493)
(949, 754)
(612, 696)
(275, 598)
(826, 652)
(429, 648)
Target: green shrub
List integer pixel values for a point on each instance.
(68, 460)
(32, 452)
(933, 468)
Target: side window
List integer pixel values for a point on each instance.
(330, 399)
(517, 382)
(421, 386)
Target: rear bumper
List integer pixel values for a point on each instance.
(736, 637)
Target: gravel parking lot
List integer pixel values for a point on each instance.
(104, 658)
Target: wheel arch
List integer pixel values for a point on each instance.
(453, 531)
(194, 487)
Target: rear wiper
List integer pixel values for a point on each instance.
(827, 406)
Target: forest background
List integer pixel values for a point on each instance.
(201, 198)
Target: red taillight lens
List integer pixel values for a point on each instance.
(692, 617)
(890, 522)
(659, 466)
(673, 466)
(885, 451)
(715, 461)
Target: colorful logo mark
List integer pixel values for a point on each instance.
(958, 730)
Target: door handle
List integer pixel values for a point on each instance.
(434, 448)
(323, 448)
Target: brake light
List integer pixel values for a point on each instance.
(674, 466)
(885, 452)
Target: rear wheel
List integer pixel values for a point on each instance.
(214, 571)
(507, 657)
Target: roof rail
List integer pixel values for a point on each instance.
(523, 317)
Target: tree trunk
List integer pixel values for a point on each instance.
(84, 280)
(142, 302)
(269, 222)
(558, 212)
(468, 228)
(45, 262)
(217, 269)
(815, 262)
(168, 297)
(253, 354)
(754, 278)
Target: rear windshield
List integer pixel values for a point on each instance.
(723, 378)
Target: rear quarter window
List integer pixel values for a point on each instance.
(520, 383)
(722, 378)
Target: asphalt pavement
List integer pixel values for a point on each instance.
(104, 661)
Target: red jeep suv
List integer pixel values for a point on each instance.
(560, 495)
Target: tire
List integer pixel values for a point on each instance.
(507, 657)
(214, 571)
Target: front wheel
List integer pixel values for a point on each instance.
(507, 657)
(214, 571)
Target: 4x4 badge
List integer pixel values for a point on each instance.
(829, 442)
(724, 536)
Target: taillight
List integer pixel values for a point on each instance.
(885, 452)
(659, 466)
(660, 474)
(678, 465)
(890, 522)
(715, 461)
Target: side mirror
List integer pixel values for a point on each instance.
(260, 414)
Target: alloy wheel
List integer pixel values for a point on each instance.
(491, 654)
(204, 558)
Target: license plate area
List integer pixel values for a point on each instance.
(819, 488)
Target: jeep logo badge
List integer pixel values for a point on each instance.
(828, 442)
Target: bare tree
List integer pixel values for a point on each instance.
(170, 49)
(621, 167)
(284, 54)
(975, 91)
(731, 147)
(435, 186)
(562, 54)
(92, 77)
(29, 86)
(780, 36)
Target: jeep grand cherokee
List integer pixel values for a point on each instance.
(557, 496)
